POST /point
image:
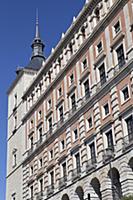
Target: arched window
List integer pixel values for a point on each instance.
(116, 185)
(79, 191)
(65, 197)
(96, 186)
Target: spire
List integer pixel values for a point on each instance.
(37, 25)
(37, 44)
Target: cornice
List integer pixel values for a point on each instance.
(97, 30)
(89, 103)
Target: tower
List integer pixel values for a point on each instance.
(16, 110)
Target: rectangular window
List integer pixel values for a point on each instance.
(71, 78)
(92, 152)
(39, 114)
(41, 185)
(49, 103)
(50, 123)
(52, 177)
(125, 93)
(117, 28)
(31, 191)
(77, 157)
(99, 47)
(64, 169)
(73, 102)
(102, 74)
(31, 170)
(84, 64)
(51, 154)
(89, 120)
(106, 109)
(75, 134)
(62, 145)
(40, 133)
(86, 88)
(120, 55)
(40, 163)
(110, 142)
(31, 142)
(60, 92)
(129, 122)
(14, 159)
(61, 113)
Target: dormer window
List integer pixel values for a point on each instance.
(117, 28)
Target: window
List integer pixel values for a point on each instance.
(99, 47)
(61, 113)
(51, 154)
(62, 145)
(59, 92)
(125, 94)
(106, 109)
(77, 158)
(15, 100)
(15, 121)
(129, 122)
(40, 133)
(117, 27)
(52, 177)
(86, 88)
(49, 103)
(102, 74)
(73, 102)
(110, 143)
(31, 191)
(40, 163)
(14, 158)
(64, 170)
(120, 55)
(71, 78)
(84, 64)
(31, 170)
(75, 134)
(14, 196)
(41, 185)
(31, 124)
(89, 123)
(50, 123)
(39, 114)
(92, 152)
(31, 142)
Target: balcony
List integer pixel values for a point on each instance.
(119, 66)
(101, 83)
(39, 142)
(128, 142)
(62, 182)
(73, 110)
(30, 151)
(108, 154)
(86, 97)
(76, 173)
(39, 196)
(60, 122)
(50, 190)
(49, 133)
(91, 164)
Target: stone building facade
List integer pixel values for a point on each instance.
(77, 114)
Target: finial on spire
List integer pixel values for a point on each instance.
(37, 25)
(37, 45)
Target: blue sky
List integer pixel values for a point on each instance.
(17, 26)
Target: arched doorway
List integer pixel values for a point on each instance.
(97, 187)
(79, 191)
(65, 197)
(116, 185)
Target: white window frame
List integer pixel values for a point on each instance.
(103, 110)
(105, 141)
(73, 134)
(88, 147)
(122, 95)
(113, 28)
